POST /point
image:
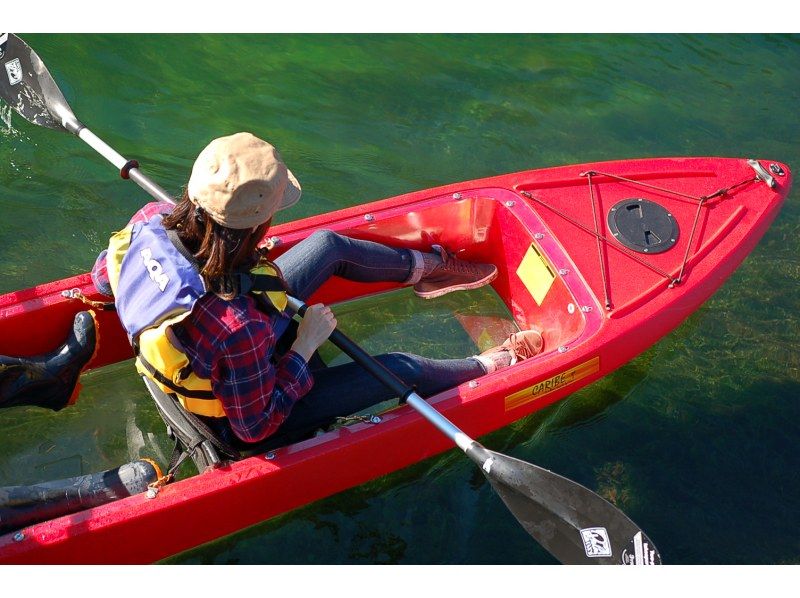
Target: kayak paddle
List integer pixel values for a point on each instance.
(573, 523)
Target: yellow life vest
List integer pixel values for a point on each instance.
(141, 262)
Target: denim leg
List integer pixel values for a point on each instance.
(346, 389)
(343, 390)
(307, 265)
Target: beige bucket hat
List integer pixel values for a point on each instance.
(241, 181)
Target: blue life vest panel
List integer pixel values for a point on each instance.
(155, 280)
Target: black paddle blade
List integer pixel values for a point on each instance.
(26, 86)
(574, 524)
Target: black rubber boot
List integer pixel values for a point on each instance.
(49, 380)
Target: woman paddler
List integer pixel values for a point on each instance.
(206, 311)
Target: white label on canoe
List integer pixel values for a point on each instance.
(596, 541)
(14, 70)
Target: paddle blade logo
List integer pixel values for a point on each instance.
(14, 70)
(640, 551)
(596, 541)
(3, 42)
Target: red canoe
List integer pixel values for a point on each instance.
(604, 258)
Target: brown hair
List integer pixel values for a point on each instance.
(221, 251)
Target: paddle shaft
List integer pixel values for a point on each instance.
(127, 168)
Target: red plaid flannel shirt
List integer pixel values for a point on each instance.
(231, 343)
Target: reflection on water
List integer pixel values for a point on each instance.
(5, 118)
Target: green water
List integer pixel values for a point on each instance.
(697, 439)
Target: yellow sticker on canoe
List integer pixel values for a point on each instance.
(545, 387)
(536, 274)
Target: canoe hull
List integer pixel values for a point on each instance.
(560, 286)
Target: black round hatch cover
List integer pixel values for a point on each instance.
(643, 225)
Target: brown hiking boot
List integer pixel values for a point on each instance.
(518, 347)
(454, 274)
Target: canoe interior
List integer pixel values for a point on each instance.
(481, 228)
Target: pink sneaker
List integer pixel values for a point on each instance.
(454, 274)
(518, 347)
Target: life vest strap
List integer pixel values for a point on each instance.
(161, 378)
(172, 235)
(258, 283)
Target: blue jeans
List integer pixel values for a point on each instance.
(345, 389)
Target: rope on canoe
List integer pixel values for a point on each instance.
(602, 237)
(178, 457)
(601, 255)
(77, 294)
